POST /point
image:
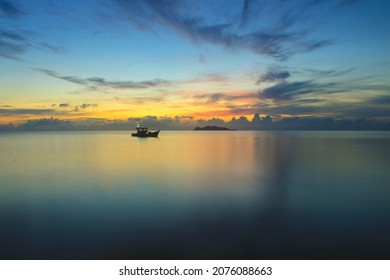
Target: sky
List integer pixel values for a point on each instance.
(193, 62)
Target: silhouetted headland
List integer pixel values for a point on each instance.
(212, 128)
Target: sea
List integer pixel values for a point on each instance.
(195, 195)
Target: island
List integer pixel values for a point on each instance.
(212, 128)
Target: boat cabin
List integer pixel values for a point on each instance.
(142, 130)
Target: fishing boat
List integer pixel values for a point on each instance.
(143, 132)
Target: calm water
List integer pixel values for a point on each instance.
(191, 195)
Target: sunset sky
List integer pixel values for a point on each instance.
(190, 60)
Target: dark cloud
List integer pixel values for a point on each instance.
(381, 100)
(10, 9)
(7, 127)
(126, 84)
(245, 11)
(307, 123)
(276, 73)
(370, 108)
(12, 44)
(53, 48)
(315, 123)
(180, 122)
(208, 78)
(184, 117)
(153, 122)
(216, 97)
(211, 122)
(211, 98)
(86, 105)
(312, 45)
(26, 111)
(202, 59)
(315, 73)
(45, 124)
(309, 100)
(287, 35)
(134, 119)
(95, 83)
(285, 90)
(278, 28)
(241, 123)
(76, 108)
(273, 75)
(71, 79)
(366, 112)
(289, 90)
(312, 97)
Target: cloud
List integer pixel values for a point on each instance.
(245, 11)
(26, 111)
(211, 98)
(283, 89)
(276, 73)
(96, 83)
(216, 97)
(211, 122)
(370, 108)
(45, 124)
(76, 108)
(289, 90)
(53, 48)
(182, 122)
(381, 100)
(316, 73)
(12, 44)
(152, 122)
(273, 75)
(126, 84)
(86, 105)
(202, 59)
(208, 78)
(276, 29)
(308, 100)
(9, 9)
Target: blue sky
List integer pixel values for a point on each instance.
(193, 60)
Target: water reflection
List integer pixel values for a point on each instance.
(191, 195)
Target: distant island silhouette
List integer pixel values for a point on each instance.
(212, 128)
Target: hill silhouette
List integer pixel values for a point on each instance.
(213, 127)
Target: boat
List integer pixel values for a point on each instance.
(143, 132)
